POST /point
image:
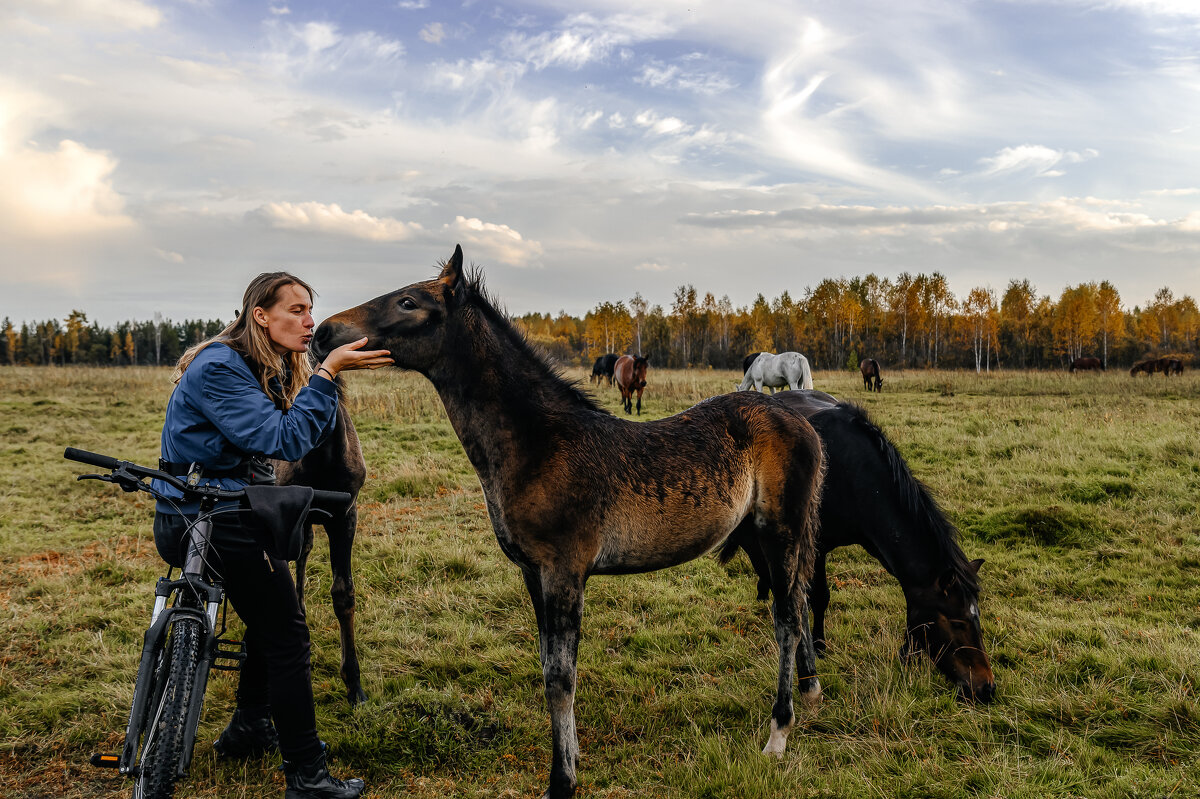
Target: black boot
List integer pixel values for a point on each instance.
(312, 780)
(250, 734)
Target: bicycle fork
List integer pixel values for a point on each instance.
(205, 602)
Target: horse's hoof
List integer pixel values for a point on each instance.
(778, 740)
(357, 696)
(812, 697)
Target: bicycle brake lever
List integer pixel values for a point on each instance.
(105, 477)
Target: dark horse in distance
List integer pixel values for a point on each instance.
(1086, 365)
(603, 368)
(336, 464)
(572, 490)
(870, 498)
(630, 374)
(870, 374)
(1168, 366)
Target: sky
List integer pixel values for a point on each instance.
(155, 155)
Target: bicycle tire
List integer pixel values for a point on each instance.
(163, 734)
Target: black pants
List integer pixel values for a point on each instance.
(276, 671)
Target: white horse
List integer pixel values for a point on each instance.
(776, 371)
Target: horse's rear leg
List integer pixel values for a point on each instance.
(560, 599)
(818, 598)
(790, 612)
(341, 530)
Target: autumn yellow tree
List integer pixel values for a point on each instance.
(1076, 320)
(1111, 320)
(981, 314)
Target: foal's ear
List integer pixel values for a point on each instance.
(451, 274)
(975, 564)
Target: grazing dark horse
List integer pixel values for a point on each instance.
(1167, 366)
(870, 498)
(870, 374)
(335, 465)
(630, 374)
(1086, 364)
(749, 360)
(572, 490)
(603, 368)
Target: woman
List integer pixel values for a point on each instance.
(251, 392)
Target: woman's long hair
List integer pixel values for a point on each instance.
(243, 334)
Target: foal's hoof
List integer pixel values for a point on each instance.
(356, 695)
(778, 740)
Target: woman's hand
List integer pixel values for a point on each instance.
(349, 356)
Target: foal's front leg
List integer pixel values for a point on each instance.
(341, 530)
(558, 605)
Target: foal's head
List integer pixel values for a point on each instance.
(410, 322)
(943, 619)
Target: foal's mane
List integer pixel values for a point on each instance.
(549, 374)
(919, 501)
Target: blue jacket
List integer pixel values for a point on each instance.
(218, 414)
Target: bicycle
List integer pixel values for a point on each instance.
(183, 642)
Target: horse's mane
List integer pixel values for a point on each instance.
(918, 500)
(552, 380)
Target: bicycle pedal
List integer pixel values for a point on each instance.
(105, 761)
(228, 650)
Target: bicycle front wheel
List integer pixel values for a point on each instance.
(166, 718)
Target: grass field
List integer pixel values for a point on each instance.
(1080, 491)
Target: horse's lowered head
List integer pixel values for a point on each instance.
(640, 365)
(410, 322)
(943, 619)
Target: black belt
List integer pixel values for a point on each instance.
(254, 471)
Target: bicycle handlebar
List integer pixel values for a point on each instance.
(136, 473)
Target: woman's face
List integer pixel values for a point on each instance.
(289, 321)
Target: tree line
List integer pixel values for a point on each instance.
(912, 321)
(157, 342)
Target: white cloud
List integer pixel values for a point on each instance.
(500, 242)
(660, 75)
(1064, 216)
(130, 14)
(433, 33)
(321, 47)
(52, 192)
(330, 219)
(651, 266)
(1033, 158)
(582, 39)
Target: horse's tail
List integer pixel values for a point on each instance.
(805, 374)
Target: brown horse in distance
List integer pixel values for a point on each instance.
(1086, 365)
(572, 490)
(629, 372)
(870, 374)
